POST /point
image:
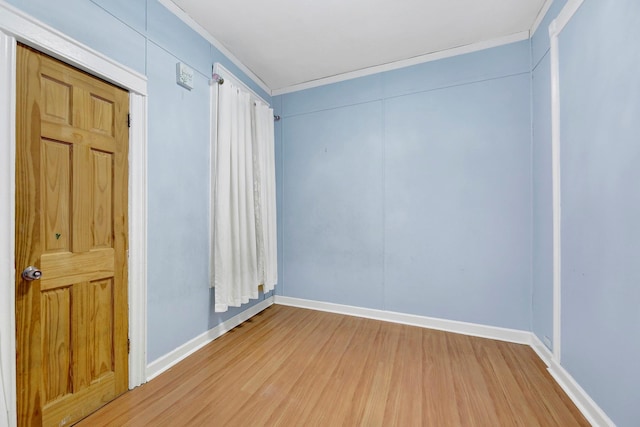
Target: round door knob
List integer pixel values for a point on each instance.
(31, 273)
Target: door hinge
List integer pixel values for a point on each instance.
(128, 346)
(129, 120)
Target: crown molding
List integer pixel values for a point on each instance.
(564, 17)
(541, 14)
(434, 56)
(184, 17)
(32, 32)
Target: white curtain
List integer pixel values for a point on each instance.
(244, 225)
(264, 161)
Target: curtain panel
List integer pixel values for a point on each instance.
(244, 213)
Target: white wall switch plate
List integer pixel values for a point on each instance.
(184, 75)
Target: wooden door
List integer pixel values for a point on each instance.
(71, 223)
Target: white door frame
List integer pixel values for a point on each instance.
(16, 26)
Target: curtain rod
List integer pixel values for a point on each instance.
(218, 79)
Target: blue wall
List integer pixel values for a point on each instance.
(424, 190)
(542, 303)
(600, 153)
(410, 190)
(148, 38)
(600, 106)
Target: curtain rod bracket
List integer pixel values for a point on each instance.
(216, 78)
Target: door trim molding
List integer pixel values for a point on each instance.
(7, 228)
(46, 39)
(16, 26)
(137, 262)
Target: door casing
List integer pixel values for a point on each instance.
(17, 26)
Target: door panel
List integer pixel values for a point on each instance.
(71, 222)
(56, 169)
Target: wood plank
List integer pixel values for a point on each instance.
(56, 181)
(290, 366)
(73, 135)
(102, 117)
(102, 188)
(28, 238)
(65, 269)
(120, 227)
(100, 315)
(82, 196)
(50, 68)
(56, 100)
(81, 336)
(80, 404)
(56, 344)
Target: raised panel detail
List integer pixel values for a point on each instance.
(102, 226)
(71, 221)
(81, 336)
(65, 269)
(101, 328)
(102, 115)
(57, 100)
(56, 175)
(56, 343)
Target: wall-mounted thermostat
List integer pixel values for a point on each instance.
(184, 75)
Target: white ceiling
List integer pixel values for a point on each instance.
(289, 42)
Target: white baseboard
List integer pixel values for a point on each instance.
(165, 362)
(476, 330)
(585, 404)
(541, 350)
(590, 409)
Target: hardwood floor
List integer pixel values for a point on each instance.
(295, 367)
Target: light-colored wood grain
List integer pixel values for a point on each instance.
(28, 239)
(56, 341)
(100, 345)
(72, 407)
(103, 115)
(102, 189)
(67, 268)
(294, 367)
(81, 335)
(71, 222)
(57, 100)
(56, 181)
(81, 207)
(71, 134)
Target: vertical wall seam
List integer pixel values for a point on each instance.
(383, 129)
(146, 38)
(532, 189)
(116, 17)
(282, 195)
